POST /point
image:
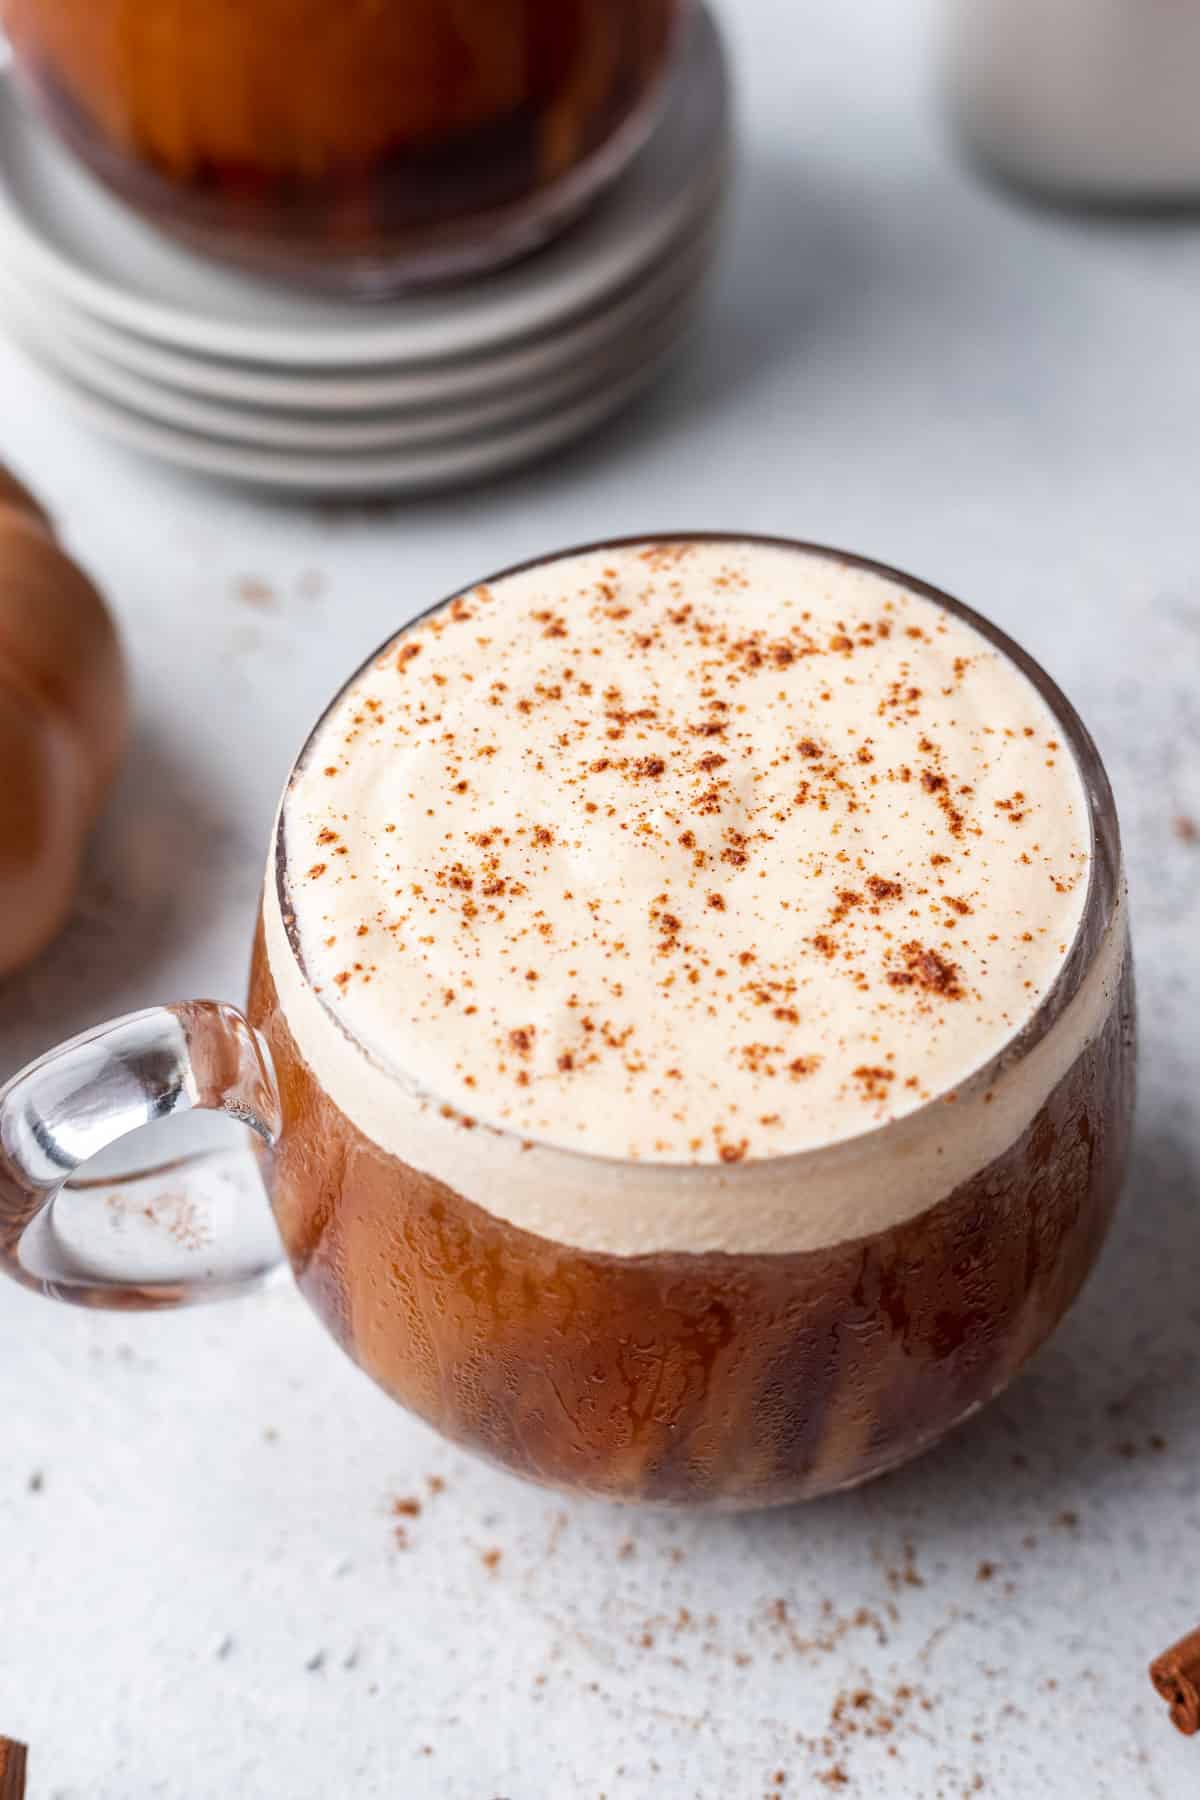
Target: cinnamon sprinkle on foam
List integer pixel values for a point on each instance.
(688, 852)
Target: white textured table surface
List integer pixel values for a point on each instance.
(202, 1593)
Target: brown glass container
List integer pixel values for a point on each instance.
(727, 1380)
(364, 144)
(690, 1378)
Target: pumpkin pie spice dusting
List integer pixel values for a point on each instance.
(688, 853)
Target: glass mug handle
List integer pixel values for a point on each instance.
(196, 1229)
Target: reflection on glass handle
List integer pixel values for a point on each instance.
(191, 1230)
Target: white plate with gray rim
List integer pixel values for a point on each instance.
(410, 429)
(378, 391)
(396, 473)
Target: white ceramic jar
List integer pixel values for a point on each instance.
(1090, 100)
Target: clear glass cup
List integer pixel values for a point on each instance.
(712, 1379)
(360, 147)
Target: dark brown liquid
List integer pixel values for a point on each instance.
(728, 1380)
(309, 132)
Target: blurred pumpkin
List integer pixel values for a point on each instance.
(63, 719)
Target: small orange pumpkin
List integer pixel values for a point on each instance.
(63, 719)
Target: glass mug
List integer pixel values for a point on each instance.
(360, 145)
(693, 1378)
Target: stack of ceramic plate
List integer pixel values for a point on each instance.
(236, 377)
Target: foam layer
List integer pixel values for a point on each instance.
(701, 855)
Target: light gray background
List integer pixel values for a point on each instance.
(204, 1596)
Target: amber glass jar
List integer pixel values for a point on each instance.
(360, 144)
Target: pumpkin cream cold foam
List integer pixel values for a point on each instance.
(694, 853)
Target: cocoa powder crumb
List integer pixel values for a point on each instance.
(881, 890)
(253, 591)
(874, 1082)
(926, 969)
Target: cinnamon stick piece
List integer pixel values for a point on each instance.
(12, 1770)
(1176, 1675)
